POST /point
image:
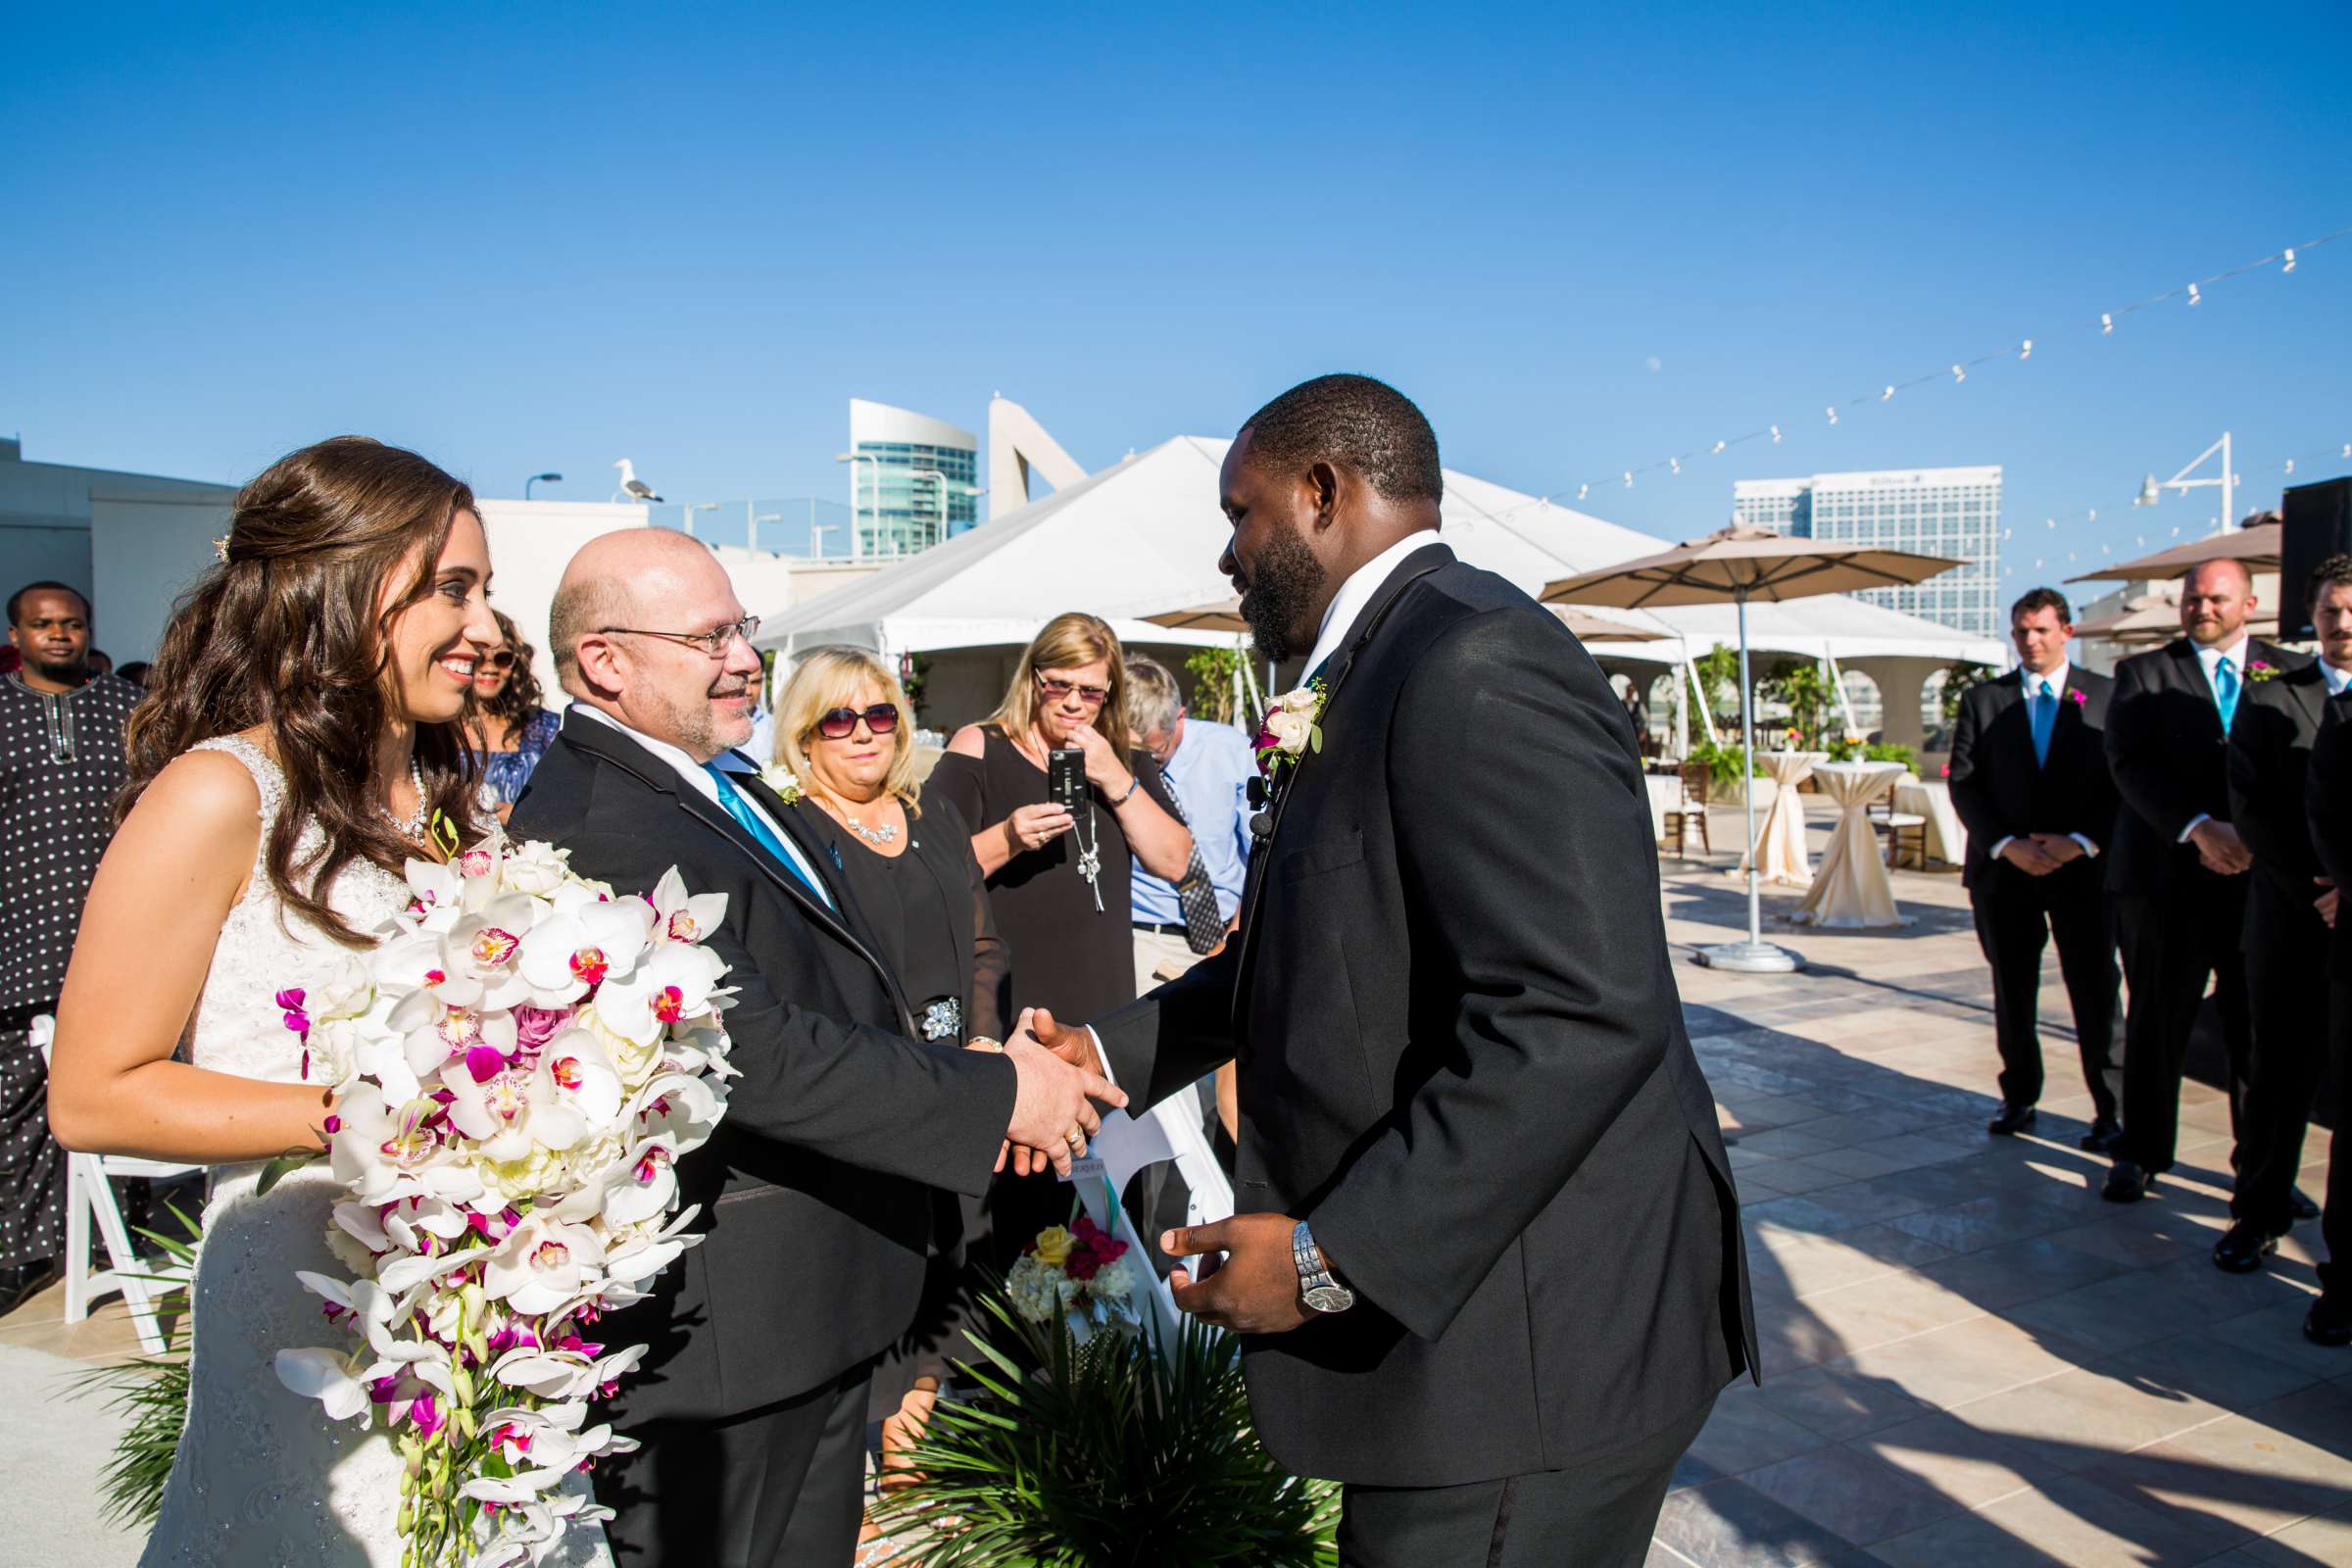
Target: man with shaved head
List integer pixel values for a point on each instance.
(2177, 869)
(817, 1191)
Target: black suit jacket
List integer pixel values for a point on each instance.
(1462, 1057)
(2328, 813)
(2171, 758)
(2270, 754)
(815, 1185)
(2001, 792)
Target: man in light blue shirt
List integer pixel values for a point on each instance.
(1208, 767)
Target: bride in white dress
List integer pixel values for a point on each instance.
(303, 735)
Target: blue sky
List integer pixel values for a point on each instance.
(524, 237)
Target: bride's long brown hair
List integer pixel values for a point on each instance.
(287, 632)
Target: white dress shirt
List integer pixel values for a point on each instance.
(2031, 684)
(2337, 679)
(2207, 660)
(1357, 591)
(695, 774)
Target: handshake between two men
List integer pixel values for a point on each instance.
(1060, 1082)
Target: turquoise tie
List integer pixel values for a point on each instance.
(753, 823)
(2046, 718)
(2224, 692)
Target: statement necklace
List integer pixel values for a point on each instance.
(879, 837)
(414, 828)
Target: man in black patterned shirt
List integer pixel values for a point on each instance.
(60, 765)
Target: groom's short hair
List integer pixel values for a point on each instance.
(1365, 425)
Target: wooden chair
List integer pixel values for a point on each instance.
(90, 1199)
(1689, 814)
(1904, 830)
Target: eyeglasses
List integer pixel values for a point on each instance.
(713, 642)
(1055, 690)
(500, 661)
(842, 722)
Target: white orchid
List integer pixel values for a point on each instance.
(336, 1380)
(644, 1255)
(383, 1153)
(585, 944)
(651, 1184)
(672, 986)
(680, 916)
(583, 1077)
(541, 1263)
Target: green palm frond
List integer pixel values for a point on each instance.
(1123, 1452)
(151, 1391)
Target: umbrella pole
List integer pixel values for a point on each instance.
(1755, 955)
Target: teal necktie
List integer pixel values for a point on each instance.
(2224, 692)
(757, 826)
(2046, 718)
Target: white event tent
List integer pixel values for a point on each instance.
(1143, 537)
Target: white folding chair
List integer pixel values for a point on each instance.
(90, 1197)
(1208, 1195)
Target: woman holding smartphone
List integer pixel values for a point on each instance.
(1057, 872)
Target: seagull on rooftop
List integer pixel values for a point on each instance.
(634, 488)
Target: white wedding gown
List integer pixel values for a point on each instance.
(261, 1475)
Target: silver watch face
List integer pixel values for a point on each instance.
(1330, 1297)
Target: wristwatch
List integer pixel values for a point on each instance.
(1316, 1287)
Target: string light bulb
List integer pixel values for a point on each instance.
(2106, 323)
(1776, 435)
(2195, 298)
(1628, 478)
(2290, 259)
(1582, 490)
(1958, 375)
(2290, 465)
(1720, 445)
(1832, 411)
(2026, 351)
(1675, 463)
(1888, 396)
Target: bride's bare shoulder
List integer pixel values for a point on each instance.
(201, 791)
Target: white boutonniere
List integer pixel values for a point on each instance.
(1290, 730)
(786, 783)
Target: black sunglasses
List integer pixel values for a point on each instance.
(842, 722)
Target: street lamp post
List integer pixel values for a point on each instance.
(943, 482)
(852, 458)
(816, 538)
(687, 510)
(766, 516)
(539, 478)
(2150, 492)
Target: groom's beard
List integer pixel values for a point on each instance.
(1285, 583)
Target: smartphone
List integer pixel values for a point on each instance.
(1065, 778)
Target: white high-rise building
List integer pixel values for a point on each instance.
(1953, 513)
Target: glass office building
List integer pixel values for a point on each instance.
(1954, 513)
(913, 480)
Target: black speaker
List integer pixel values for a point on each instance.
(2316, 523)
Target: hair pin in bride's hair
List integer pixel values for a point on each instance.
(221, 549)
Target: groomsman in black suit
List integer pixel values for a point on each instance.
(2289, 911)
(2328, 811)
(2178, 867)
(2030, 779)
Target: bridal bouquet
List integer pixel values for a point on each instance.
(522, 1062)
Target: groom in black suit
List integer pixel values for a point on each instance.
(2290, 906)
(816, 1188)
(2029, 781)
(1488, 1263)
(2179, 868)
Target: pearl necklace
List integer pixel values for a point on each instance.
(414, 828)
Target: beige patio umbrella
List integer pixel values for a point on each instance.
(2155, 618)
(1740, 564)
(1218, 614)
(2257, 547)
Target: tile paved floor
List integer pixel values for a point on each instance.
(1969, 1357)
